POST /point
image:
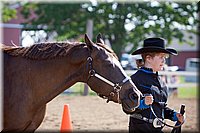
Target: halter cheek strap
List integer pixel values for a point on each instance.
(116, 86)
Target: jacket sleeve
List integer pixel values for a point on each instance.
(143, 105)
(169, 114)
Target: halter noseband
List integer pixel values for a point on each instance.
(116, 86)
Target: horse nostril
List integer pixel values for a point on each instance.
(133, 95)
(112, 94)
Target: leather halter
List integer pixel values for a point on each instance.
(116, 86)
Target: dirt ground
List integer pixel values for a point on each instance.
(91, 113)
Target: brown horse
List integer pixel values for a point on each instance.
(35, 75)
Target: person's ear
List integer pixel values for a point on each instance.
(148, 58)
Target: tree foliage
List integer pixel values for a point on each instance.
(8, 13)
(121, 23)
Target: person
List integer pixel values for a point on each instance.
(138, 60)
(153, 88)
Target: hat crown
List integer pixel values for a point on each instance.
(155, 45)
(154, 42)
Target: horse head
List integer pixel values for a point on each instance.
(107, 78)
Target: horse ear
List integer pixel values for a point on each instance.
(88, 42)
(99, 39)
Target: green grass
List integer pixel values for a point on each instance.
(185, 92)
(78, 89)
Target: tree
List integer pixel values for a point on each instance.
(121, 23)
(8, 12)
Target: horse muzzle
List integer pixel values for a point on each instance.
(131, 101)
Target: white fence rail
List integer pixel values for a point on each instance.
(176, 73)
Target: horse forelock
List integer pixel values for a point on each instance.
(43, 51)
(108, 49)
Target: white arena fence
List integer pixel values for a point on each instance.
(168, 74)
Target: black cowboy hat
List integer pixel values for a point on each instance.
(155, 45)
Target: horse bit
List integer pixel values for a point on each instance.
(116, 86)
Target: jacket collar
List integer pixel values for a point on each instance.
(148, 70)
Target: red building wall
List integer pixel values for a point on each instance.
(12, 32)
(180, 59)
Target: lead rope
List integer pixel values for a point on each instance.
(164, 122)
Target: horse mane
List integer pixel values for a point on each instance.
(108, 49)
(48, 50)
(41, 51)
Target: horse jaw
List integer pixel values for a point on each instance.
(131, 101)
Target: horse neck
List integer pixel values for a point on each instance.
(54, 77)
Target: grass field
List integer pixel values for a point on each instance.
(78, 89)
(187, 92)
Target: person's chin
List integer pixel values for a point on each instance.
(161, 67)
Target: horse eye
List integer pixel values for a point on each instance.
(109, 63)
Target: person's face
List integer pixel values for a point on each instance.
(157, 62)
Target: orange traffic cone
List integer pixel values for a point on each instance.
(66, 125)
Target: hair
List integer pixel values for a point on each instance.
(43, 51)
(48, 50)
(108, 49)
(139, 63)
(144, 55)
(152, 54)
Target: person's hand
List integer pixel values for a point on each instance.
(148, 99)
(180, 117)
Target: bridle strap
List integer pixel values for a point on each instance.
(117, 86)
(92, 73)
(103, 79)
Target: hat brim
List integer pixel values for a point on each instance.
(155, 49)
